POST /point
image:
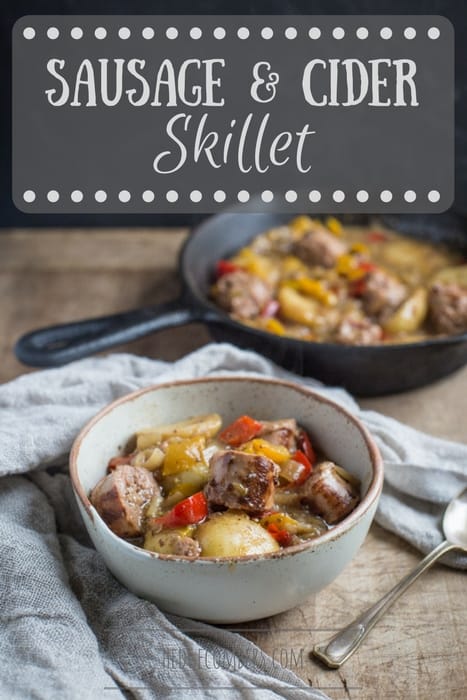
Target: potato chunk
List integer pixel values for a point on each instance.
(410, 314)
(234, 534)
(297, 308)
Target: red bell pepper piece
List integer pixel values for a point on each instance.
(301, 457)
(282, 536)
(304, 444)
(367, 266)
(240, 431)
(377, 237)
(358, 287)
(224, 267)
(190, 511)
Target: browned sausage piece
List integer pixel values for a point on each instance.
(448, 308)
(120, 498)
(328, 494)
(280, 432)
(242, 481)
(241, 293)
(319, 247)
(172, 543)
(383, 293)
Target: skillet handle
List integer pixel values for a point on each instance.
(58, 345)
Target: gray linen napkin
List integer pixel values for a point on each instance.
(68, 628)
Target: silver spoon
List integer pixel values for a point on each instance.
(337, 650)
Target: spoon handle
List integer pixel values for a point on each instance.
(339, 648)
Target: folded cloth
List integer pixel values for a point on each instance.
(69, 629)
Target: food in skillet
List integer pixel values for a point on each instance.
(194, 489)
(325, 282)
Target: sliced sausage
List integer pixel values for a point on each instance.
(448, 308)
(280, 432)
(241, 293)
(242, 481)
(319, 247)
(382, 294)
(121, 496)
(167, 542)
(328, 494)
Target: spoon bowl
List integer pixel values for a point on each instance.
(455, 521)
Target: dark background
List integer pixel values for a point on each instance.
(11, 10)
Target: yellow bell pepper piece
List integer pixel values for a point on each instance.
(290, 284)
(312, 288)
(262, 267)
(292, 265)
(244, 253)
(360, 248)
(345, 263)
(282, 521)
(309, 526)
(317, 290)
(334, 225)
(258, 446)
(274, 326)
(255, 264)
(300, 225)
(183, 455)
(349, 267)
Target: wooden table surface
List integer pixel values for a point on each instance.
(419, 649)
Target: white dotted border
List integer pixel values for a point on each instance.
(242, 33)
(267, 196)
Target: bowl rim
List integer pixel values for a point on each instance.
(333, 534)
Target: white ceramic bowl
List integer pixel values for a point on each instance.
(245, 588)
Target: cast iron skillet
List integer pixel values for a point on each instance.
(363, 370)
